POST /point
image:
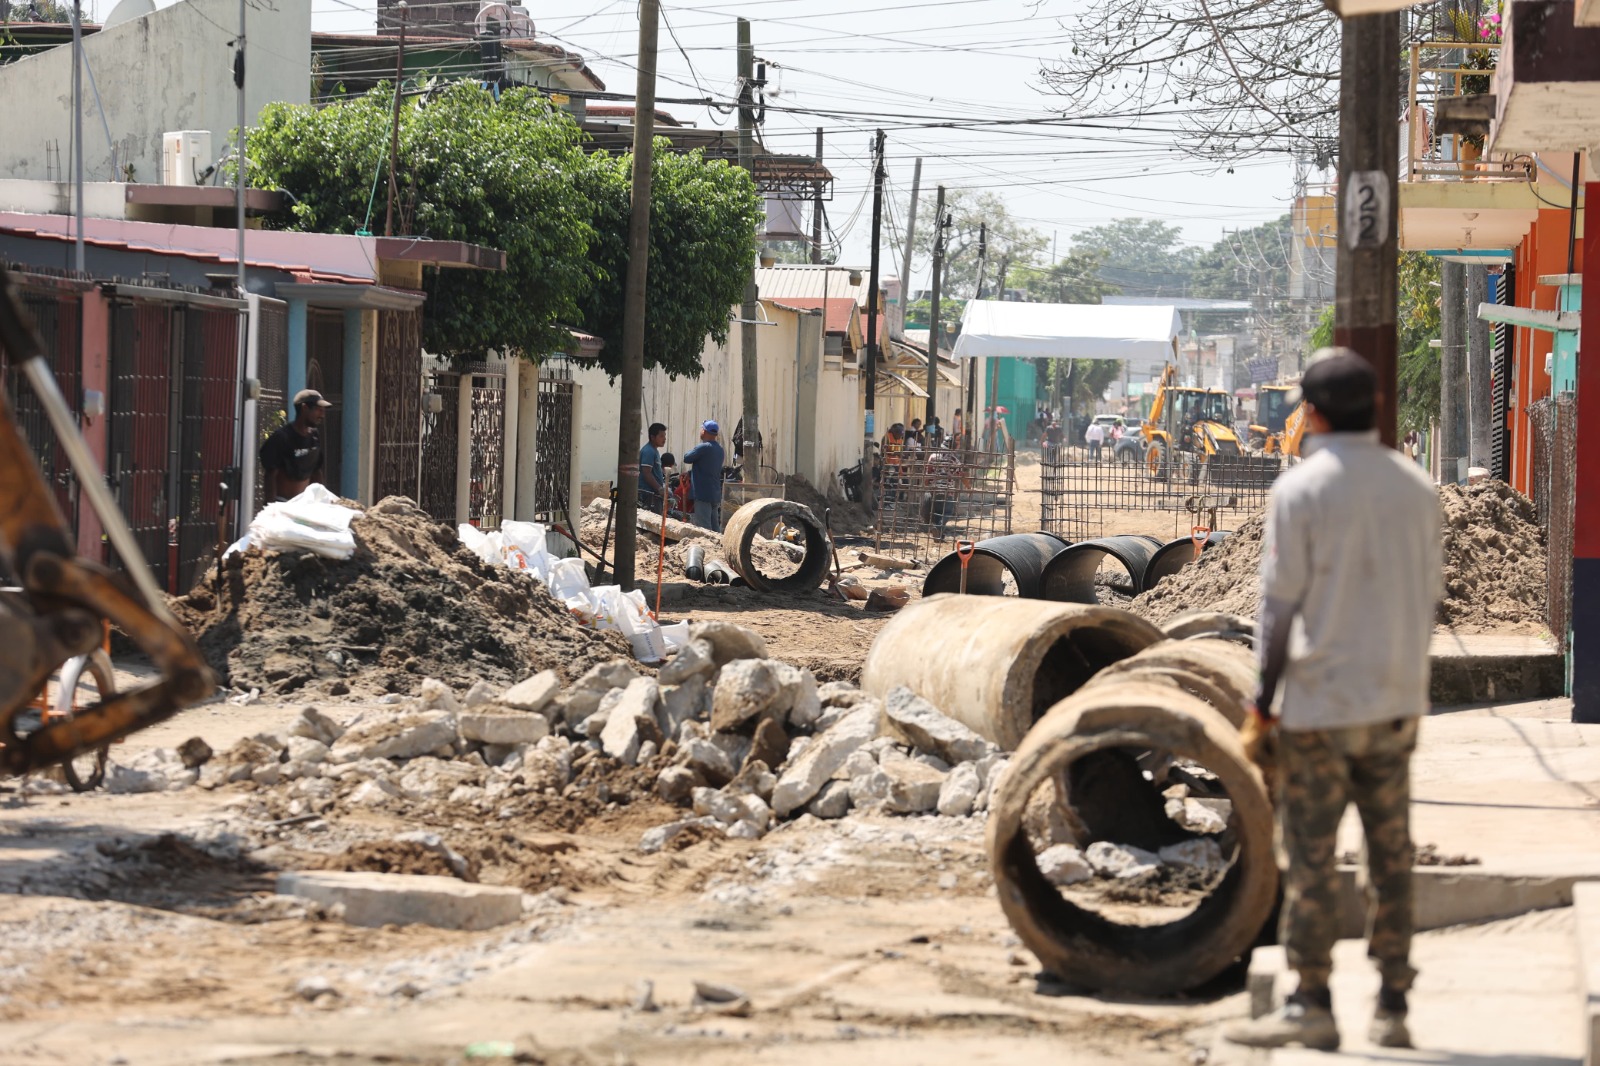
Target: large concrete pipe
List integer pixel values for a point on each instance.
(1193, 625)
(1021, 555)
(1070, 576)
(996, 664)
(1083, 947)
(1220, 672)
(738, 539)
(1174, 556)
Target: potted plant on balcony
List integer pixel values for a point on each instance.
(1484, 30)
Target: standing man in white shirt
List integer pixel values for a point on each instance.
(1094, 436)
(1351, 575)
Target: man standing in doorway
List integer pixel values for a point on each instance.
(1353, 566)
(652, 474)
(705, 477)
(291, 458)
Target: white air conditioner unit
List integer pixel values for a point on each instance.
(185, 155)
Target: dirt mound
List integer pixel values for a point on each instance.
(1494, 566)
(411, 603)
(394, 857)
(847, 518)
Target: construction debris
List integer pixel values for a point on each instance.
(411, 603)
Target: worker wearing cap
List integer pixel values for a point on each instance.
(652, 473)
(1351, 574)
(291, 458)
(705, 477)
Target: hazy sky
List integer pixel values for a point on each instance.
(908, 68)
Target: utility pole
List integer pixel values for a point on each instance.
(933, 310)
(633, 301)
(972, 364)
(1480, 358)
(747, 309)
(911, 236)
(1453, 411)
(239, 175)
(1369, 164)
(816, 214)
(868, 423)
(77, 130)
(394, 123)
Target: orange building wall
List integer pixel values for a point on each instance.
(1543, 251)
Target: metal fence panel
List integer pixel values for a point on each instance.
(929, 500)
(487, 437)
(142, 384)
(399, 405)
(1555, 456)
(441, 436)
(1076, 493)
(552, 472)
(208, 434)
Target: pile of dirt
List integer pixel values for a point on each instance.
(411, 603)
(845, 518)
(1494, 566)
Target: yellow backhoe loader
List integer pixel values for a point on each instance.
(64, 601)
(1190, 431)
(1279, 425)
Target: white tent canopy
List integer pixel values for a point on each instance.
(1067, 331)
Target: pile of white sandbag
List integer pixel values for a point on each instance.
(315, 521)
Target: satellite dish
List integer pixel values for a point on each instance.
(127, 11)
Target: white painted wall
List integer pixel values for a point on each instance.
(718, 393)
(170, 70)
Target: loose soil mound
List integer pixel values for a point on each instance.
(411, 603)
(1494, 566)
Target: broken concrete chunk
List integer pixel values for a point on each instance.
(677, 784)
(631, 721)
(1200, 853)
(913, 786)
(860, 762)
(746, 688)
(729, 641)
(533, 693)
(833, 714)
(710, 802)
(480, 693)
(603, 677)
(960, 791)
(1063, 864)
(805, 775)
(406, 737)
(656, 839)
(314, 725)
(306, 750)
(710, 761)
(869, 790)
(694, 660)
(1200, 815)
(689, 701)
(769, 744)
(799, 702)
(125, 780)
(832, 802)
(1122, 861)
(840, 694)
(929, 730)
(436, 695)
(502, 727)
(576, 706)
(437, 778)
(754, 778)
(372, 792)
(374, 899)
(736, 745)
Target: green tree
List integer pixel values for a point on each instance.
(703, 221)
(1418, 323)
(1141, 256)
(1074, 279)
(512, 175)
(969, 212)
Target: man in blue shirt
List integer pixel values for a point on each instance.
(705, 477)
(652, 475)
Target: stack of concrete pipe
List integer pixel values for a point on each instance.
(1091, 699)
(1044, 566)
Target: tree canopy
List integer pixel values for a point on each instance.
(512, 174)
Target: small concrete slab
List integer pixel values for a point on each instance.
(374, 899)
(1494, 667)
(1586, 911)
(1443, 896)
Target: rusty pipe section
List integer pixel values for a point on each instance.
(1022, 556)
(1070, 577)
(1108, 724)
(759, 517)
(997, 663)
(1173, 556)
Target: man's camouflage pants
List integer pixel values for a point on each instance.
(1323, 771)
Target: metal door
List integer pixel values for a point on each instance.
(441, 435)
(398, 404)
(325, 373)
(272, 370)
(552, 482)
(207, 435)
(141, 396)
(487, 438)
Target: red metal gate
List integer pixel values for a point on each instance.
(208, 434)
(58, 314)
(142, 393)
(398, 402)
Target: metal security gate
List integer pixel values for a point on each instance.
(272, 370)
(552, 471)
(142, 390)
(398, 404)
(1555, 458)
(207, 435)
(58, 314)
(441, 436)
(487, 438)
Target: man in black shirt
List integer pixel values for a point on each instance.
(292, 457)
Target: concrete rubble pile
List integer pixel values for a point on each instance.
(742, 741)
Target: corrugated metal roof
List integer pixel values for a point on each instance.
(787, 283)
(838, 311)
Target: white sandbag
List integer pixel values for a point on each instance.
(319, 508)
(676, 635)
(276, 531)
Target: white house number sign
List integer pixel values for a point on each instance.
(1365, 220)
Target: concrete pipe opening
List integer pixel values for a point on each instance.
(1220, 672)
(1174, 556)
(997, 664)
(1179, 917)
(1097, 571)
(1000, 566)
(777, 546)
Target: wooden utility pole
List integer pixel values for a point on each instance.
(1369, 164)
(747, 309)
(816, 213)
(871, 377)
(911, 236)
(239, 174)
(933, 310)
(972, 364)
(394, 122)
(633, 301)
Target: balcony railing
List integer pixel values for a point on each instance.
(1442, 70)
